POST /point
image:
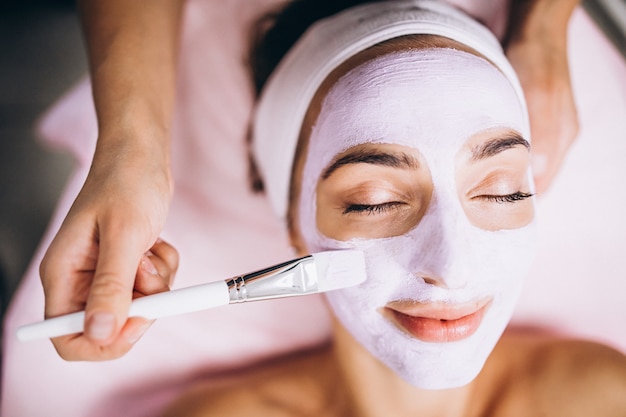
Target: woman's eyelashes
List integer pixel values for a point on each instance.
(372, 209)
(384, 208)
(507, 198)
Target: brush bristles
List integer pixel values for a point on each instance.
(339, 269)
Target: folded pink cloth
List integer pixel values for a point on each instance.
(221, 229)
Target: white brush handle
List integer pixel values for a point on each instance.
(170, 303)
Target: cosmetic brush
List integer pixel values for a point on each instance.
(316, 273)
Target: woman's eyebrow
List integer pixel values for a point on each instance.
(375, 157)
(495, 146)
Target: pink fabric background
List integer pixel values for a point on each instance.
(220, 229)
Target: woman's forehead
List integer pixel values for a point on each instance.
(400, 44)
(433, 97)
(403, 43)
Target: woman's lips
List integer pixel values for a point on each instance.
(437, 323)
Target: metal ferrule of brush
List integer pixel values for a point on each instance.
(296, 277)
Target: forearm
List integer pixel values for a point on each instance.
(132, 48)
(536, 45)
(540, 20)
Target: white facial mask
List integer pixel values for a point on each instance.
(431, 100)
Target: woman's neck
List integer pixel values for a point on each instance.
(374, 390)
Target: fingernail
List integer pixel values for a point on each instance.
(148, 266)
(540, 164)
(100, 326)
(136, 335)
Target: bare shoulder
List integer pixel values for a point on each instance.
(565, 377)
(593, 377)
(295, 385)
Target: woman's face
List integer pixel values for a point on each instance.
(419, 158)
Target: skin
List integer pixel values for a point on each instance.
(528, 373)
(155, 274)
(574, 379)
(121, 209)
(410, 190)
(424, 106)
(95, 259)
(536, 46)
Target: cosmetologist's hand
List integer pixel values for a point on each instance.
(537, 49)
(97, 261)
(107, 252)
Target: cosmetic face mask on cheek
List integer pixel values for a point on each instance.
(431, 100)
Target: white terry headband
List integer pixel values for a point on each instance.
(327, 44)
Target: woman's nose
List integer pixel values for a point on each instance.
(449, 280)
(444, 258)
(446, 281)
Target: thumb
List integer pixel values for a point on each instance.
(111, 290)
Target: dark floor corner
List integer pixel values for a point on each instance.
(610, 15)
(42, 56)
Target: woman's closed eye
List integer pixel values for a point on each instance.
(497, 209)
(373, 191)
(506, 198)
(373, 209)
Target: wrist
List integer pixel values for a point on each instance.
(125, 111)
(139, 149)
